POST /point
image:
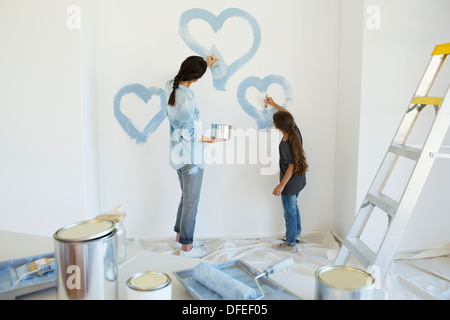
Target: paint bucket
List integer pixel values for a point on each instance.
(221, 131)
(344, 283)
(86, 257)
(149, 285)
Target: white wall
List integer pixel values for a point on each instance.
(139, 43)
(348, 116)
(42, 129)
(393, 59)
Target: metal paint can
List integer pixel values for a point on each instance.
(87, 261)
(221, 131)
(149, 285)
(344, 283)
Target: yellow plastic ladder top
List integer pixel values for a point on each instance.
(441, 49)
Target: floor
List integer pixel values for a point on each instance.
(422, 276)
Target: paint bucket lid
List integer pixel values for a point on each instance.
(345, 278)
(85, 230)
(148, 281)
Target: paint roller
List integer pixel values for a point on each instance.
(230, 288)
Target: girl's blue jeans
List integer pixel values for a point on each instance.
(291, 218)
(190, 177)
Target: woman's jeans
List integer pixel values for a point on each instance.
(190, 177)
(291, 218)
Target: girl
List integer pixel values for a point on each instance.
(293, 167)
(186, 149)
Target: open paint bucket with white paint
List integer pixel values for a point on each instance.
(149, 285)
(344, 283)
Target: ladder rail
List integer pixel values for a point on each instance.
(431, 146)
(414, 187)
(406, 125)
(423, 89)
(429, 77)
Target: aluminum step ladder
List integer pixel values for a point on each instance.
(399, 211)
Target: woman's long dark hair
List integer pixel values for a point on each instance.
(285, 121)
(192, 68)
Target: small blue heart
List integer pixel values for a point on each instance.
(145, 94)
(263, 118)
(216, 23)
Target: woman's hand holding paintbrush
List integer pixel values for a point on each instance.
(210, 60)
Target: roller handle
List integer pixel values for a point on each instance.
(279, 266)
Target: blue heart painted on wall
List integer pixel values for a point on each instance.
(263, 118)
(145, 94)
(222, 73)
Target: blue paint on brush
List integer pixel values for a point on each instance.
(216, 24)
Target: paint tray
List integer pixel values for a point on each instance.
(11, 288)
(241, 271)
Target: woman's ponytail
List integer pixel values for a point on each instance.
(176, 84)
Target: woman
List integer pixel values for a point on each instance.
(186, 149)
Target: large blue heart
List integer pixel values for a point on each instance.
(263, 118)
(220, 78)
(145, 94)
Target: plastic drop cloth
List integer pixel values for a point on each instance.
(421, 276)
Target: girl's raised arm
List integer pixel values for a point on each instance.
(270, 101)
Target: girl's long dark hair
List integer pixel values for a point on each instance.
(285, 121)
(192, 68)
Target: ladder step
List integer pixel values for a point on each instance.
(360, 250)
(434, 101)
(383, 202)
(405, 151)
